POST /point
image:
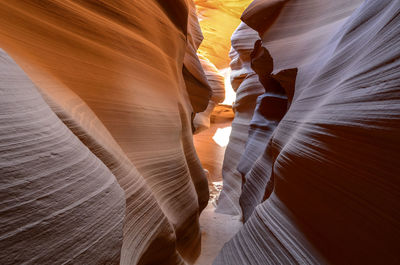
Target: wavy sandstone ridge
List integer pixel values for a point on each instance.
(247, 87)
(201, 121)
(113, 75)
(98, 103)
(58, 200)
(218, 19)
(326, 188)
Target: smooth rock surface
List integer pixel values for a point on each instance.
(59, 202)
(113, 73)
(211, 152)
(196, 81)
(247, 86)
(335, 194)
(270, 109)
(216, 82)
(218, 20)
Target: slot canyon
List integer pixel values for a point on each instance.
(243, 132)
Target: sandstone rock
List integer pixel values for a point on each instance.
(201, 121)
(218, 21)
(195, 79)
(59, 202)
(333, 155)
(247, 86)
(210, 148)
(270, 109)
(112, 72)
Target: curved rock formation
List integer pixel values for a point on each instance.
(270, 109)
(195, 79)
(59, 202)
(218, 19)
(97, 110)
(113, 73)
(201, 121)
(247, 86)
(334, 197)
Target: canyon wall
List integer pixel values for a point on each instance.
(247, 87)
(98, 103)
(202, 121)
(59, 202)
(325, 187)
(218, 20)
(98, 162)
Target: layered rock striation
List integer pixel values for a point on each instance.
(116, 87)
(218, 19)
(98, 103)
(325, 188)
(247, 87)
(59, 202)
(216, 82)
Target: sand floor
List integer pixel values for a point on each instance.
(216, 228)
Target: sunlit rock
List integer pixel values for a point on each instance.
(196, 82)
(99, 101)
(113, 74)
(216, 82)
(218, 20)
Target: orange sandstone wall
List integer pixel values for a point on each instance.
(109, 76)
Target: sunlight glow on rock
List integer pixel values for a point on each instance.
(221, 136)
(230, 95)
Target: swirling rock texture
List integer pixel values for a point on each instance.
(247, 86)
(58, 200)
(270, 109)
(328, 182)
(195, 79)
(110, 104)
(218, 19)
(215, 80)
(97, 109)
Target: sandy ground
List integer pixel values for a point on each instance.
(210, 153)
(216, 228)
